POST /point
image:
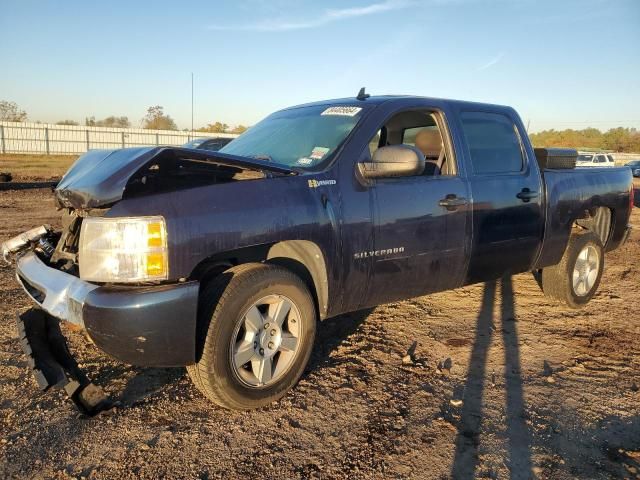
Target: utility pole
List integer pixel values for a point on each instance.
(191, 102)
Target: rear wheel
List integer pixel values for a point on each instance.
(576, 278)
(258, 323)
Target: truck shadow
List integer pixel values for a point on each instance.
(518, 435)
(148, 381)
(331, 333)
(144, 382)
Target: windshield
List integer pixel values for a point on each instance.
(634, 163)
(585, 158)
(301, 137)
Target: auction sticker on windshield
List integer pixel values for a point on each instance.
(345, 111)
(318, 152)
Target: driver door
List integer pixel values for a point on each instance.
(420, 225)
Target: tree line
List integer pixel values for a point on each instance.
(622, 140)
(155, 119)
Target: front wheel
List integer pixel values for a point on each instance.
(575, 279)
(258, 323)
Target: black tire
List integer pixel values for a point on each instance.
(222, 302)
(557, 281)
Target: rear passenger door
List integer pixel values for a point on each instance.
(507, 193)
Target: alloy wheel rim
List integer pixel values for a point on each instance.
(585, 271)
(265, 341)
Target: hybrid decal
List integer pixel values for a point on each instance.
(378, 253)
(319, 183)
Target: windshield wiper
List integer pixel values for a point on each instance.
(263, 156)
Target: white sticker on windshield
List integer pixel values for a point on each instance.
(305, 161)
(345, 111)
(318, 152)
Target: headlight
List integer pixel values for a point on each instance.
(123, 249)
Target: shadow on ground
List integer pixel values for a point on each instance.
(331, 334)
(470, 425)
(146, 382)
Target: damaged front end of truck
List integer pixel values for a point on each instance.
(110, 276)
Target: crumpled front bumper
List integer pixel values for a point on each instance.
(58, 293)
(140, 325)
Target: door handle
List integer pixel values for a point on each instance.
(451, 202)
(525, 195)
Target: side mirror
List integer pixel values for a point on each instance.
(393, 161)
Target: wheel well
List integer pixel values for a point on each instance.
(302, 257)
(599, 221)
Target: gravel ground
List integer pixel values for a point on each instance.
(490, 381)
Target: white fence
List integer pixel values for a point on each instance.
(49, 139)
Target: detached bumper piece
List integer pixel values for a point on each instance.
(53, 365)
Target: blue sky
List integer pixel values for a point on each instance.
(561, 63)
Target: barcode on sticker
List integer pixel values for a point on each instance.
(345, 111)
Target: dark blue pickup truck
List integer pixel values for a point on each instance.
(224, 261)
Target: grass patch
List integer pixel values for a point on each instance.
(35, 167)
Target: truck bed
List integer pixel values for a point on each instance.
(567, 197)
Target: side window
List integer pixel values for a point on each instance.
(493, 141)
(610, 158)
(419, 129)
(600, 159)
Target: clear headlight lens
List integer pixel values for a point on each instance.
(123, 249)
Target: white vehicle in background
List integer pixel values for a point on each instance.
(591, 159)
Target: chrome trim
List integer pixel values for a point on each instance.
(64, 293)
(22, 241)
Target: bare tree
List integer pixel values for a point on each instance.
(10, 112)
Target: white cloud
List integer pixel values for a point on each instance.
(327, 16)
(492, 62)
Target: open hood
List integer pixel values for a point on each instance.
(100, 178)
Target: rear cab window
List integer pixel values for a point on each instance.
(494, 143)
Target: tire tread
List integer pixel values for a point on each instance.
(556, 280)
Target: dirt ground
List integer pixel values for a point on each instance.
(27, 168)
(499, 383)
